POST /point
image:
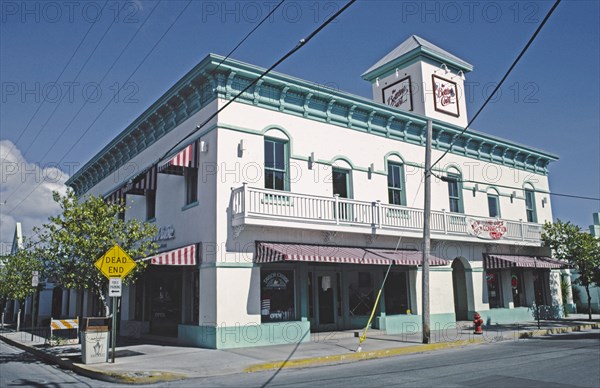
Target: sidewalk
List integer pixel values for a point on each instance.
(142, 363)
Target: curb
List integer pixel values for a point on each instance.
(384, 353)
(111, 377)
(351, 357)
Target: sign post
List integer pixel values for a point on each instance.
(35, 280)
(115, 264)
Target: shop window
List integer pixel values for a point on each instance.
(530, 205)
(277, 300)
(276, 165)
(396, 293)
(396, 191)
(516, 283)
(494, 293)
(191, 185)
(455, 192)
(361, 293)
(493, 205)
(150, 204)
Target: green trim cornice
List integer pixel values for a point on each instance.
(215, 77)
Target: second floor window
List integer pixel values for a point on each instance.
(493, 205)
(276, 164)
(191, 185)
(396, 191)
(455, 193)
(530, 206)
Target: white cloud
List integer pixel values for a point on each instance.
(27, 189)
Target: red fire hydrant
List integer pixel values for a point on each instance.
(477, 322)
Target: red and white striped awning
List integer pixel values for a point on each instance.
(274, 252)
(180, 256)
(143, 182)
(186, 158)
(513, 261)
(406, 257)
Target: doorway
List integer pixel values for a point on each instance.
(324, 300)
(459, 285)
(342, 187)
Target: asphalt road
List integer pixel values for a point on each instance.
(554, 361)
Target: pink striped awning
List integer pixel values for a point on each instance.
(405, 257)
(180, 256)
(274, 252)
(186, 158)
(143, 182)
(493, 261)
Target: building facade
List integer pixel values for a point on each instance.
(280, 215)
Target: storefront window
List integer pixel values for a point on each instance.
(516, 283)
(361, 294)
(493, 282)
(396, 294)
(277, 296)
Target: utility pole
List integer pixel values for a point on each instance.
(427, 234)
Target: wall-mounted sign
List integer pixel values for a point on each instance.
(166, 232)
(445, 96)
(398, 94)
(486, 229)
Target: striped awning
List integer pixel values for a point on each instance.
(494, 261)
(406, 257)
(186, 158)
(274, 252)
(277, 252)
(180, 256)
(116, 196)
(142, 182)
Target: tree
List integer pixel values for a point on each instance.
(17, 271)
(82, 233)
(582, 250)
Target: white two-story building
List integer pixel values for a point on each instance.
(280, 216)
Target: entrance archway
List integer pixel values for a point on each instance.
(459, 285)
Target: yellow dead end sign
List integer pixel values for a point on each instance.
(115, 263)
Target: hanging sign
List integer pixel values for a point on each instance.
(486, 229)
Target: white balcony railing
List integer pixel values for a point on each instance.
(249, 202)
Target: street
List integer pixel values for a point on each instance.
(560, 360)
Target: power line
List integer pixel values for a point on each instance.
(57, 138)
(35, 138)
(56, 81)
(535, 34)
(298, 46)
(106, 106)
(449, 179)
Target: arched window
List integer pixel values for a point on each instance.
(454, 179)
(396, 183)
(276, 161)
(493, 203)
(530, 203)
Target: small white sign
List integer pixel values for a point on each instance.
(35, 278)
(115, 286)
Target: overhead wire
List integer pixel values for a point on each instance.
(488, 99)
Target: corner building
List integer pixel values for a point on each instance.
(280, 216)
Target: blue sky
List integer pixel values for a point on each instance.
(551, 101)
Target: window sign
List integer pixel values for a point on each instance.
(277, 296)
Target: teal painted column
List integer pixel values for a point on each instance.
(302, 276)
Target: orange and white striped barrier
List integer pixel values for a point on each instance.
(64, 324)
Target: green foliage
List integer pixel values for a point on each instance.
(581, 250)
(87, 227)
(16, 272)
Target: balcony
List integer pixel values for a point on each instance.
(263, 207)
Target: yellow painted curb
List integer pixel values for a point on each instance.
(557, 330)
(337, 358)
